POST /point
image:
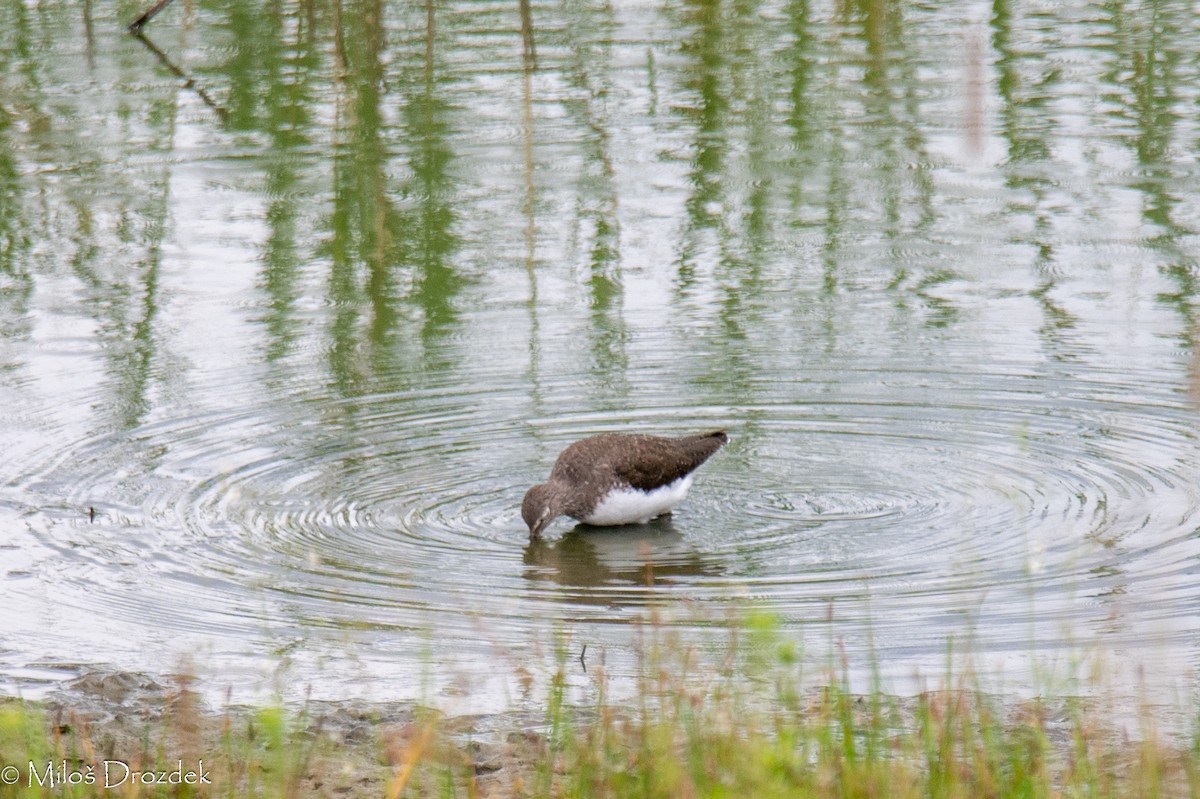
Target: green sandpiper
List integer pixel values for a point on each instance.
(618, 478)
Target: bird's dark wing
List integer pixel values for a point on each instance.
(644, 462)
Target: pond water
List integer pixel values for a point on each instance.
(299, 298)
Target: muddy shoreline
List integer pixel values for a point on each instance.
(159, 731)
(118, 725)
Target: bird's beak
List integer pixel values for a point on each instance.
(539, 525)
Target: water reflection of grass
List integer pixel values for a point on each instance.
(752, 724)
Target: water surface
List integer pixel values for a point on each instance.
(284, 340)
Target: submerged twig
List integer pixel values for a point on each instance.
(147, 15)
(528, 48)
(188, 81)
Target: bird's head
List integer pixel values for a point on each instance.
(540, 507)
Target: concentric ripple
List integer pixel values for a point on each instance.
(374, 519)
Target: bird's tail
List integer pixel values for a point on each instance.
(708, 443)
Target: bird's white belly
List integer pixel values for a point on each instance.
(631, 506)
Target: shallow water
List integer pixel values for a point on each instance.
(281, 348)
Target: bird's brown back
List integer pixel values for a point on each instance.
(641, 461)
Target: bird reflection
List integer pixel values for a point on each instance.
(648, 555)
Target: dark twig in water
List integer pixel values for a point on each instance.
(147, 15)
(188, 81)
(583, 657)
(528, 48)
